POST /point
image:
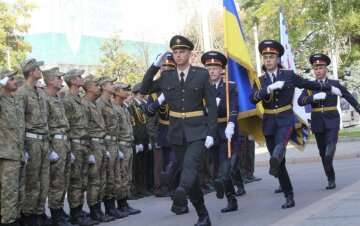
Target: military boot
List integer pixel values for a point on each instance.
(81, 221)
(101, 213)
(276, 159)
(279, 189)
(240, 190)
(57, 218)
(329, 156)
(290, 202)
(231, 205)
(94, 215)
(331, 184)
(179, 200)
(30, 220)
(204, 219)
(111, 210)
(123, 206)
(219, 188)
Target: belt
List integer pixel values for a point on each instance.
(125, 143)
(79, 141)
(186, 114)
(322, 109)
(113, 138)
(220, 120)
(34, 135)
(164, 122)
(278, 110)
(60, 137)
(97, 139)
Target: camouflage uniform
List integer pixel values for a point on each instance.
(12, 123)
(58, 142)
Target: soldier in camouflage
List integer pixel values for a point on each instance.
(36, 144)
(12, 123)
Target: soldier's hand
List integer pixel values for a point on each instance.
(218, 101)
(229, 131)
(121, 155)
(107, 154)
(139, 148)
(26, 157)
(150, 147)
(91, 160)
(4, 81)
(275, 86)
(319, 96)
(161, 99)
(209, 142)
(335, 91)
(53, 156)
(160, 59)
(72, 158)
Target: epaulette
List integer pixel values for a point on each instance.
(154, 96)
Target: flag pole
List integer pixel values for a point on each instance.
(227, 103)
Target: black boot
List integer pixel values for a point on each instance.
(57, 218)
(81, 221)
(331, 184)
(241, 190)
(30, 220)
(204, 219)
(123, 206)
(45, 219)
(83, 213)
(276, 159)
(111, 210)
(15, 223)
(219, 188)
(329, 156)
(94, 215)
(231, 206)
(179, 200)
(290, 202)
(101, 213)
(279, 189)
(64, 214)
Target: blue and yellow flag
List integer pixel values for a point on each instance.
(241, 71)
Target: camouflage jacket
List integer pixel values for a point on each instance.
(97, 126)
(125, 127)
(110, 117)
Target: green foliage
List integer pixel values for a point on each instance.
(12, 26)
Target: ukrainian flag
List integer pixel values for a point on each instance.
(241, 71)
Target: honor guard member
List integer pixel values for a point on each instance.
(215, 63)
(12, 156)
(78, 135)
(97, 156)
(164, 156)
(325, 117)
(111, 143)
(141, 136)
(59, 146)
(126, 140)
(275, 89)
(190, 131)
(36, 144)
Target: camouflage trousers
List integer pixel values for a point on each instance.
(112, 177)
(21, 188)
(59, 173)
(78, 175)
(9, 181)
(125, 169)
(36, 177)
(96, 174)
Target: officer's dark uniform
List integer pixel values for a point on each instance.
(278, 118)
(325, 118)
(164, 156)
(188, 126)
(141, 136)
(223, 182)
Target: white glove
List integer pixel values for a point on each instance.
(139, 148)
(121, 155)
(72, 158)
(229, 131)
(319, 96)
(335, 91)
(53, 156)
(4, 81)
(209, 142)
(275, 86)
(91, 160)
(218, 101)
(149, 146)
(107, 154)
(26, 157)
(160, 59)
(161, 99)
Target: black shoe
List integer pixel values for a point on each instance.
(279, 189)
(331, 184)
(219, 188)
(231, 206)
(182, 210)
(112, 211)
(123, 206)
(253, 178)
(179, 200)
(96, 216)
(274, 166)
(241, 191)
(290, 202)
(58, 219)
(204, 219)
(81, 221)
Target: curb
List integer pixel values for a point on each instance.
(340, 140)
(265, 163)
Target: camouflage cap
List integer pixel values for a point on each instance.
(89, 79)
(52, 72)
(7, 73)
(28, 64)
(105, 79)
(20, 78)
(121, 85)
(73, 73)
(136, 87)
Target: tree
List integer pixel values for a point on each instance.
(114, 62)
(12, 27)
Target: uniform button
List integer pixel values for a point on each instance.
(183, 99)
(276, 99)
(276, 106)
(183, 109)
(183, 91)
(322, 105)
(276, 92)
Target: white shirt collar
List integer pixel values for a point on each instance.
(138, 102)
(186, 72)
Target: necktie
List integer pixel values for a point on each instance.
(321, 81)
(182, 81)
(215, 86)
(273, 77)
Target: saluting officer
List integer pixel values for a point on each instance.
(190, 131)
(215, 62)
(275, 89)
(325, 118)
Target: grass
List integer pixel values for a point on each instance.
(349, 133)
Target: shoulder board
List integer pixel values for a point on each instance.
(309, 92)
(154, 96)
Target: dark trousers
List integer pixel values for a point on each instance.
(323, 139)
(163, 157)
(227, 167)
(281, 138)
(189, 156)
